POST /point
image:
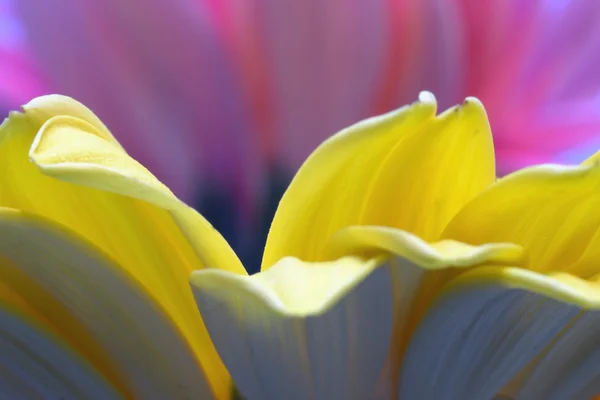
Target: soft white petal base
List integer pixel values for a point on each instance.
(36, 364)
(300, 330)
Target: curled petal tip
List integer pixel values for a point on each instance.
(427, 97)
(473, 103)
(473, 100)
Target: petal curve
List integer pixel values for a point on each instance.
(375, 170)
(298, 330)
(271, 322)
(34, 363)
(510, 331)
(150, 352)
(523, 208)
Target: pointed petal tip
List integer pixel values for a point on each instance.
(552, 172)
(10, 119)
(363, 161)
(473, 100)
(593, 160)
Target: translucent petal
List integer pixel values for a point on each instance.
(300, 330)
(35, 363)
(492, 327)
(420, 271)
(570, 368)
(331, 329)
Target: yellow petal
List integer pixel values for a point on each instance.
(369, 240)
(593, 159)
(550, 210)
(35, 363)
(507, 330)
(299, 330)
(123, 211)
(151, 356)
(407, 169)
(72, 150)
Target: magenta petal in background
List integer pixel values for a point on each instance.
(158, 74)
(219, 89)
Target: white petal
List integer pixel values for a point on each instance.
(149, 352)
(36, 364)
(301, 331)
(570, 369)
(473, 341)
(333, 329)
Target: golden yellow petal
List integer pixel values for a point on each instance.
(550, 210)
(407, 169)
(592, 159)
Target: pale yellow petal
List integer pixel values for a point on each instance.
(150, 355)
(550, 210)
(71, 150)
(407, 169)
(369, 240)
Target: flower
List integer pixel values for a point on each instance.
(414, 274)
(396, 267)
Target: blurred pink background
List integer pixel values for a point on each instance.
(223, 99)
